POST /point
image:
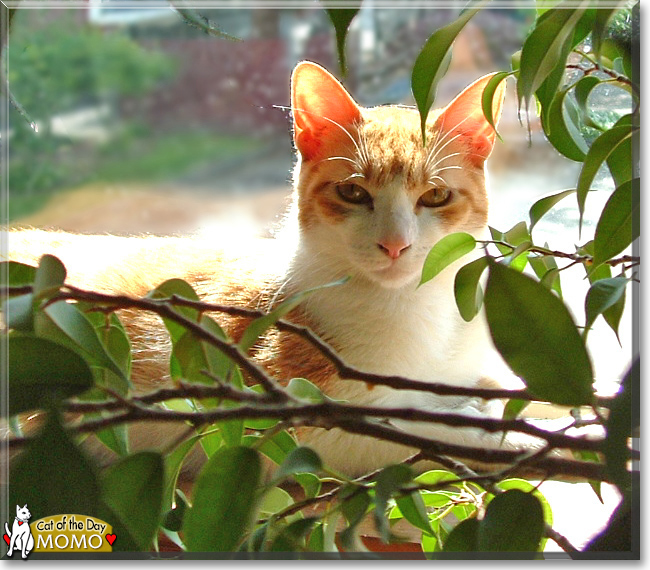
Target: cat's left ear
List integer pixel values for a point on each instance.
(323, 111)
(464, 117)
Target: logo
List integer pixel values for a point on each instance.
(20, 536)
(58, 533)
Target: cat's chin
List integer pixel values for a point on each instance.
(393, 277)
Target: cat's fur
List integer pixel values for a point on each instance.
(380, 321)
(20, 534)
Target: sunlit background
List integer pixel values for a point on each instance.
(138, 122)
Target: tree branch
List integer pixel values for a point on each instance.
(345, 372)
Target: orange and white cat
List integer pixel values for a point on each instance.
(370, 200)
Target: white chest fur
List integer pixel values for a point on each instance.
(412, 332)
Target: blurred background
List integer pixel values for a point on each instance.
(143, 123)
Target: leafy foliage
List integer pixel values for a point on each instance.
(69, 352)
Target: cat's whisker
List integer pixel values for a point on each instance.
(452, 167)
(435, 151)
(432, 180)
(446, 157)
(349, 135)
(340, 158)
(351, 177)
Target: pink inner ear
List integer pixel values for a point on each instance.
(322, 109)
(464, 116)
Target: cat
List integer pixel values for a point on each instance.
(369, 202)
(20, 535)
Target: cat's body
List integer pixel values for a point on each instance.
(370, 201)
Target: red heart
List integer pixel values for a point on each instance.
(7, 539)
(111, 538)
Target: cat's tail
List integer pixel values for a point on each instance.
(7, 530)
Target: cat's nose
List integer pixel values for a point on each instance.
(393, 248)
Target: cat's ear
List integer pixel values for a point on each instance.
(323, 111)
(464, 117)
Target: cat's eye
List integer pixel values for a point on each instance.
(435, 197)
(353, 193)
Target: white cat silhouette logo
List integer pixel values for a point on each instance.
(20, 537)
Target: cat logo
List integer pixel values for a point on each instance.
(59, 533)
(20, 536)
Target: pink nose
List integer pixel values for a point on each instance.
(393, 248)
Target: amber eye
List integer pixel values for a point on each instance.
(435, 197)
(353, 194)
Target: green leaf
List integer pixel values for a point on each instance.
(544, 47)
(435, 476)
(602, 295)
(514, 522)
(176, 288)
(464, 537)
(66, 318)
(53, 476)
(413, 508)
(487, 98)
(15, 274)
(432, 64)
(513, 408)
(543, 205)
(517, 259)
(316, 541)
(276, 448)
(173, 519)
(18, 312)
(310, 483)
(341, 19)
(274, 500)
(562, 134)
(582, 90)
(545, 267)
(549, 87)
(603, 15)
(300, 460)
(390, 480)
(292, 537)
(259, 326)
(621, 162)
(191, 358)
(468, 290)
(305, 390)
(116, 438)
(613, 315)
(133, 490)
(535, 334)
(447, 250)
(600, 150)
(528, 487)
(173, 464)
(224, 501)
(49, 277)
(623, 420)
(517, 234)
(41, 370)
(618, 225)
(354, 505)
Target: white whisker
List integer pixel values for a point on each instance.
(453, 167)
(442, 159)
(339, 158)
(349, 135)
(435, 151)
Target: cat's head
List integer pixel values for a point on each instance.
(367, 187)
(23, 513)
